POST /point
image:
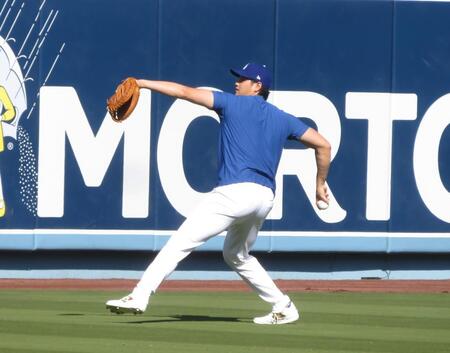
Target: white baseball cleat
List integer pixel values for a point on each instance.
(127, 304)
(288, 314)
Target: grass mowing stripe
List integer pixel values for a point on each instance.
(30, 350)
(223, 333)
(369, 322)
(220, 322)
(155, 316)
(377, 320)
(374, 309)
(71, 345)
(63, 344)
(400, 307)
(399, 299)
(92, 345)
(217, 336)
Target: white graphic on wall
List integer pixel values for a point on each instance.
(16, 69)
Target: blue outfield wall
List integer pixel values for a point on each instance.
(372, 76)
(51, 264)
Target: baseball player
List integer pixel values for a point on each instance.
(251, 139)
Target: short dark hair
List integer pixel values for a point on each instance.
(264, 92)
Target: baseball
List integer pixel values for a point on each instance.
(322, 205)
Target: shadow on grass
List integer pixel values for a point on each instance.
(187, 318)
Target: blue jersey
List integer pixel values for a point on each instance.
(251, 139)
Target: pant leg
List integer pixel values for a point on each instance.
(213, 216)
(238, 242)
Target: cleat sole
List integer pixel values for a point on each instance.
(120, 310)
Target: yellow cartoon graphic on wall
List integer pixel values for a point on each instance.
(24, 30)
(8, 113)
(13, 103)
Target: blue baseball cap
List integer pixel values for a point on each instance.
(255, 72)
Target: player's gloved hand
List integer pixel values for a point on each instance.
(122, 103)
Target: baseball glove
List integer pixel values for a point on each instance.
(122, 103)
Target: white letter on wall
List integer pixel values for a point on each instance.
(380, 110)
(426, 158)
(302, 163)
(61, 113)
(170, 154)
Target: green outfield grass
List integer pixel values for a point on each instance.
(73, 321)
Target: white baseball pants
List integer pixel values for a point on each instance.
(239, 208)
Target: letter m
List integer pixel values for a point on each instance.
(61, 114)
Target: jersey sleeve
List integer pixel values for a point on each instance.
(296, 127)
(221, 102)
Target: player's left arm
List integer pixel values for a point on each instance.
(311, 138)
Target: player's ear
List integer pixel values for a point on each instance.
(258, 86)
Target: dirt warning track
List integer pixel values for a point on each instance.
(387, 286)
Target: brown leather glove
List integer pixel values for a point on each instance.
(122, 103)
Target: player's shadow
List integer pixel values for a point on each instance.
(187, 318)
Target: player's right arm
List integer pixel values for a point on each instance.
(195, 95)
(311, 138)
